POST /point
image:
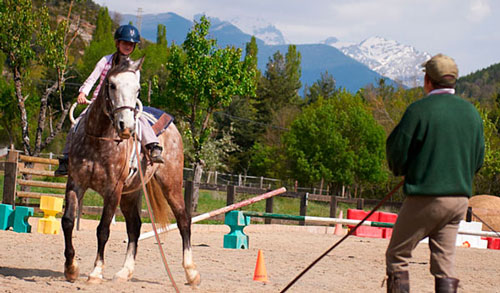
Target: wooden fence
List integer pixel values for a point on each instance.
(14, 166)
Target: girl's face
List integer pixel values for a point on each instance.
(125, 48)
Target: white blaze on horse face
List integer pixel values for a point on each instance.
(123, 91)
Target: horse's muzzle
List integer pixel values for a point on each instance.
(125, 134)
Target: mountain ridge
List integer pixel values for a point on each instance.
(316, 58)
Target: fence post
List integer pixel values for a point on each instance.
(231, 192)
(360, 204)
(215, 178)
(10, 177)
(188, 197)
(239, 179)
(333, 206)
(261, 182)
(303, 207)
(269, 209)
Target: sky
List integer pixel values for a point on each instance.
(466, 30)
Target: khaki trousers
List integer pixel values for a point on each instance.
(427, 216)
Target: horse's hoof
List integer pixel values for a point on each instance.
(94, 280)
(122, 276)
(195, 281)
(71, 273)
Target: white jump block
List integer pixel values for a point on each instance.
(474, 241)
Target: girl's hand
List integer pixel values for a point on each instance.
(82, 99)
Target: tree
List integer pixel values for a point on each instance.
(238, 119)
(279, 87)
(488, 179)
(102, 43)
(324, 87)
(28, 40)
(203, 79)
(338, 141)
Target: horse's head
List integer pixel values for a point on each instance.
(123, 86)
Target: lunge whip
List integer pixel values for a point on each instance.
(343, 238)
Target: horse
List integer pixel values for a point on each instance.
(99, 158)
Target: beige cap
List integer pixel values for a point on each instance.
(440, 66)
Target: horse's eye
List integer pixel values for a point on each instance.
(112, 86)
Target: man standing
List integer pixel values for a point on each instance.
(438, 146)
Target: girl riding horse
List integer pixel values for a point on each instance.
(126, 38)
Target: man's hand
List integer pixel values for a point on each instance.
(82, 99)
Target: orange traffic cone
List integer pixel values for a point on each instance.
(338, 227)
(260, 273)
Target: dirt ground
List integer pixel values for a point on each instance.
(33, 262)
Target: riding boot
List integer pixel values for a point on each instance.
(446, 285)
(155, 151)
(398, 282)
(62, 170)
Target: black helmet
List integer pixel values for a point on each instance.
(128, 33)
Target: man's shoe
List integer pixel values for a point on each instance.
(155, 152)
(62, 170)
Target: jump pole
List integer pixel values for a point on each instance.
(350, 222)
(218, 211)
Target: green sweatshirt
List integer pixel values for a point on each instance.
(438, 146)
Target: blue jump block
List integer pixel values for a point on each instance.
(236, 239)
(15, 218)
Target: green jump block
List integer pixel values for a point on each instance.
(236, 239)
(6, 216)
(15, 218)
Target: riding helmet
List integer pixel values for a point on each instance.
(128, 33)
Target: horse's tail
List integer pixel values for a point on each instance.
(161, 209)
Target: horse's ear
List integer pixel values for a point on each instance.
(137, 65)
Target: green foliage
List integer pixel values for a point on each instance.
(336, 140)
(324, 87)
(203, 79)
(279, 86)
(18, 24)
(482, 86)
(238, 116)
(489, 176)
(102, 44)
(161, 35)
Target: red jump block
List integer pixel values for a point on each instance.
(493, 243)
(387, 218)
(364, 231)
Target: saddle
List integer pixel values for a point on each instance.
(159, 121)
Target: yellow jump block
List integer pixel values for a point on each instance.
(50, 207)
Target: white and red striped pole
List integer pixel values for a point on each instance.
(218, 211)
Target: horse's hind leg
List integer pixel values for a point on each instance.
(130, 205)
(111, 200)
(73, 197)
(173, 193)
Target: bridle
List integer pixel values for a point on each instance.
(110, 110)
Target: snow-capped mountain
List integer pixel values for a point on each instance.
(387, 57)
(260, 28)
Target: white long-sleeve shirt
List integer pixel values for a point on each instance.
(100, 71)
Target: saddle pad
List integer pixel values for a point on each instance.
(158, 119)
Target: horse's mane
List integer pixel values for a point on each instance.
(120, 64)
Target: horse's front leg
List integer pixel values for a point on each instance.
(72, 198)
(130, 205)
(111, 200)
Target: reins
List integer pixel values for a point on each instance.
(343, 238)
(151, 215)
